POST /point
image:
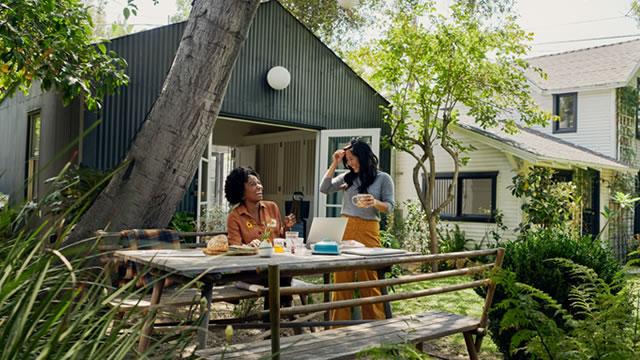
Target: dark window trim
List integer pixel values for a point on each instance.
(556, 103)
(491, 175)
(31, 188)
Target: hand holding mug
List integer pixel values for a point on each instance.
(289, 221)
(255, 243)
(363, 200)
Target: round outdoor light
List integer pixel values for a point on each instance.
(347, 4)
(278, 78)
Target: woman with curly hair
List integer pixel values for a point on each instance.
(251, 216)
(363, 217)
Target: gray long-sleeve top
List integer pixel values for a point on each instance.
(381, 189)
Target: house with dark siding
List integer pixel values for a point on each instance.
(287, 135)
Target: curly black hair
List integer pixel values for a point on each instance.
(368, 165)
(234, 184)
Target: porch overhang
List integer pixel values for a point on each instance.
(541, 149)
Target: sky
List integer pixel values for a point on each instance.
(558, 25)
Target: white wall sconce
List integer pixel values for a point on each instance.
(278, 78)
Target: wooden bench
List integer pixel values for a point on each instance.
(347, 342)
(183, 297)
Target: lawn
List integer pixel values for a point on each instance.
(463, 302)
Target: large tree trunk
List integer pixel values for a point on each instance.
(164, 157)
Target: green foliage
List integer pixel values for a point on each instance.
(75, 184)
(414, 228)
(50, 41)
(183, 222)
(527, 259)
(213, 219)
(599, 323)
(54, 301)
(183, 8)
(400, 352)
(431, 65)
(549, 203)
(452, 239)
(391, 235)
(342, 29)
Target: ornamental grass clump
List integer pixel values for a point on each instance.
(54, 301)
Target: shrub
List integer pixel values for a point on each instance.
(526, 258)
(600, 322)
(415, 234)
(549, 203)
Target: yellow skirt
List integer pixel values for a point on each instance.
(368, 233)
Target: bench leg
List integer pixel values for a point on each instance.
(479, 338)
(205, 312)
(383, 290)
(327, 298)
(147, 329)
(471, 346)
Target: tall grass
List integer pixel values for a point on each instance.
(54, 302)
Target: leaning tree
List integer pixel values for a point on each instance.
(164, 155)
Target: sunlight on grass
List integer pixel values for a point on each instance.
(463, 302)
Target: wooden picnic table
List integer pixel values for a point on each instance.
(193, 264)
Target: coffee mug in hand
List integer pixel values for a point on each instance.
(359, 200)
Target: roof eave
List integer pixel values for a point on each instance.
(538, 159)
(613, 85)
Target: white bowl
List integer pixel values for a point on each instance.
(265, 252)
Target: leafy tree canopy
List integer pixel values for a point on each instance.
(49, 41)
(433, 68)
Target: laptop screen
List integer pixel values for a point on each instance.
(324, 228)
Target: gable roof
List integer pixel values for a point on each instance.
(541, 149)
(606, 66)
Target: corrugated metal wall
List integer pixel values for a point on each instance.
(324, 92)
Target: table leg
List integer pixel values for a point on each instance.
(147, 329)
(205, 312)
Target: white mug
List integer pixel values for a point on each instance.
(357, 200)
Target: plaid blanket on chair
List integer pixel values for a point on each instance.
(145, 239)
(160, 235)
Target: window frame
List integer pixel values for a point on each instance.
(32, 163)
(486, 175)
(556, 108)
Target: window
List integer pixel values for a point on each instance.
(566, 107)
(33, 155)
(474, 196)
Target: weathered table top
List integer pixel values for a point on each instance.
(193, 262)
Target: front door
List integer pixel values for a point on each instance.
(330, 141)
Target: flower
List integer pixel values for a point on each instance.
(228, 332)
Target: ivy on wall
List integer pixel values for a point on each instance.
(621, 228)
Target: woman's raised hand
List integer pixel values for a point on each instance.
(337, 156)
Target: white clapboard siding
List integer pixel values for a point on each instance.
(483, 159)
(596, 129)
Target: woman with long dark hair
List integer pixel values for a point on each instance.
(372, 193)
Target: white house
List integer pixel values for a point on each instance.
(598, 132)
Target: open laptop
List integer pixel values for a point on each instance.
(325, 228)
